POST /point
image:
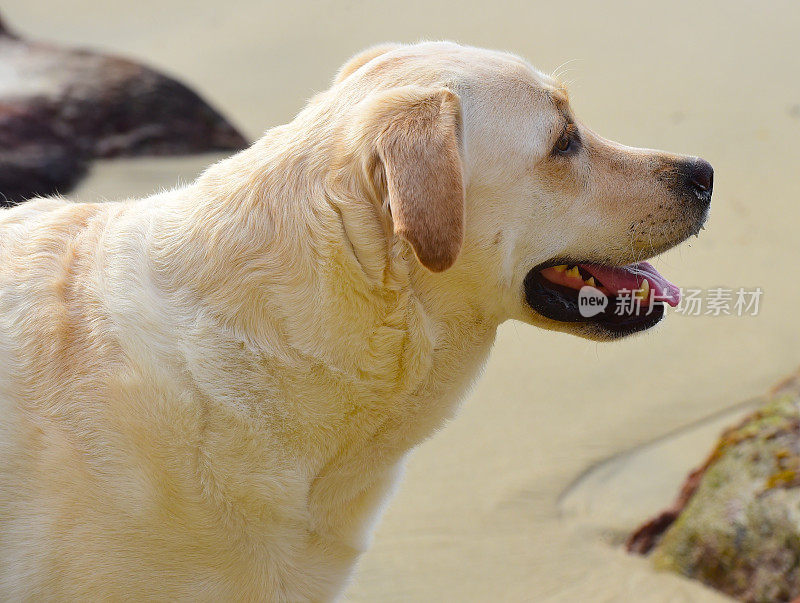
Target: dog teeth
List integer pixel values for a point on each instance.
(574, 273)
(591, 282)
(561, 268)
(644, 292)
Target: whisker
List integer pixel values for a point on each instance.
(557, 71)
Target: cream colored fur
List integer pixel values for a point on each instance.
(208, 394)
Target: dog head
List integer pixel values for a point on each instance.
(507, 198)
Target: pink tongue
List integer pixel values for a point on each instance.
(630, 278)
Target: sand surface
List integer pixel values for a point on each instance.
(490, 509)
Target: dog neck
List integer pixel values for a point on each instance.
(270, 242)
(324, 341)
(359, 351)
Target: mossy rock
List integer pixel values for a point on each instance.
(740, 529)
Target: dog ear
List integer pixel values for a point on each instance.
(420, 170)
(362, 58)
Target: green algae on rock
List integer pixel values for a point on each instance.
(738, 529)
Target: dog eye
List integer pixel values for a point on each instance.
(565, 145)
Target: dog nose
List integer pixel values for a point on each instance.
(701, 175)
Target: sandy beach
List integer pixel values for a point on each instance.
(494, 507)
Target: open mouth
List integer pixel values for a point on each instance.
(619, 299)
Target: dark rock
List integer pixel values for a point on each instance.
(736, 523)
(34, 158)
(59, 108)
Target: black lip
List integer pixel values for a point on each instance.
(560, 303)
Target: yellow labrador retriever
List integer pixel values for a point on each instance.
(207, 394)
